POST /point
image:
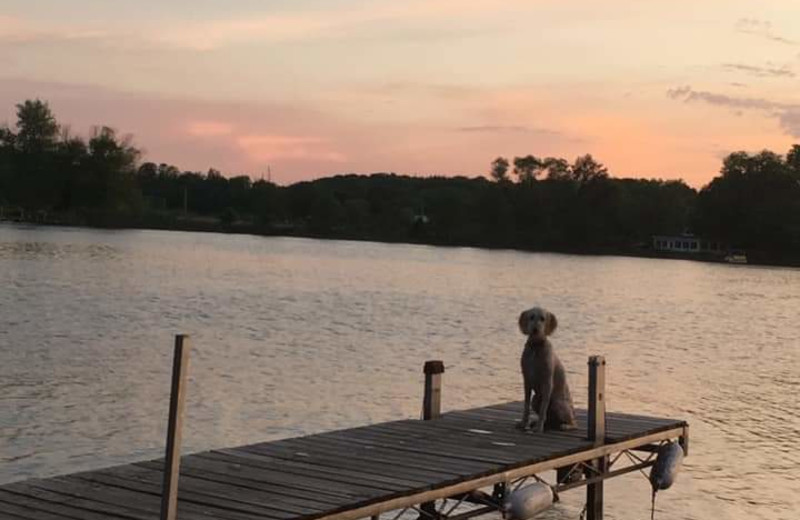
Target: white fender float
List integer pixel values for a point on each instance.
(528, 501)
(665, 470)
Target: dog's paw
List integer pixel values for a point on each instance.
(567, 427)
(523, 425)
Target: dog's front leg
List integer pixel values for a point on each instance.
(544, 404)
(525, 423)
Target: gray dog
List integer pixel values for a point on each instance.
(546, 389)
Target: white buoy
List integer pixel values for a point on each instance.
(528, 501)
(665, 470)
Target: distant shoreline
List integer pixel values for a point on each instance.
(203, 225)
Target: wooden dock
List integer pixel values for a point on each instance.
(437, 467)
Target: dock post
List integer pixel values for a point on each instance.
(431, 409)
(172, 459)
(597, 433)
(684, 440)
(432, 401)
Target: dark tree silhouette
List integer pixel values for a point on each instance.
(37, 129)
(586, 169)
(54, 175)
(557, 169)
(527, 168)
(754, 204)
(499, 170)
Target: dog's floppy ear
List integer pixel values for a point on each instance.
(523, 322)
(551, 324)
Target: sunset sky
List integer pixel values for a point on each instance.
(318, 87)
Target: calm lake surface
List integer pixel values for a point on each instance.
(297, 336)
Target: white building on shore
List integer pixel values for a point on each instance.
(687, 243)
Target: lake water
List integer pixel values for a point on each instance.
(295, 336)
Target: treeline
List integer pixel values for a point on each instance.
(532, 203)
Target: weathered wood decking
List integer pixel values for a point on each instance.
(340, 475)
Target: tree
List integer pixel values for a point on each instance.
(110, 170)
(69, 165)
(8, 139)
(37, 129)
(793, 160)
(527, 168)
(754, 204)
(499, 171)
(34, 177)
(585, 169)
(742, 164)
(7, 142)
(557, 169)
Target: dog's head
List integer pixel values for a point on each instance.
(537, 323)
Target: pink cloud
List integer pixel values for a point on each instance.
(235, 137)
(458, 136)
(209, 128)
(20, 31)
(307, 24)
(262, 148)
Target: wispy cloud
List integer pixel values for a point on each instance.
(271, 147)
(516, 129)
(441, 91)
(209, 128)
(787, 114)
(762, 72)
(297, 141)
(688, 94)
(762, 28)
(14, 30)
(322, 23)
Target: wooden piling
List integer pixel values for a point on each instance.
(597, 434)
(172, 459)
(684, 440)
(432, 401)
(431, 409)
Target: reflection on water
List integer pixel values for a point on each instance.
(51, 251)
(298, 336)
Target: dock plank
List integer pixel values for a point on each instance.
(390, 455)
(223, 468)
(35, 509)
(147, 503)
(282, 498)
(223, 497)
(349, 460)
(343, 472)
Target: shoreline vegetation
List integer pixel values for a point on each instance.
(50, 176)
